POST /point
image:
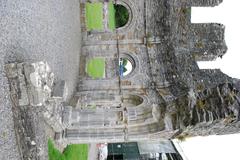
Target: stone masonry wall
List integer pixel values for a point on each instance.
(165, 95)
(34, 106)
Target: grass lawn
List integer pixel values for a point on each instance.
(53, 153)
(96, 68)
(111, 18)
(71, 152)
(76, 152)
(94, 16)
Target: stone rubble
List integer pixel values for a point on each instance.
(31, 87)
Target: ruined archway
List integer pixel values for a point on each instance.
(132, 100)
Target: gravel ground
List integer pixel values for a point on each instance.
(36, 30)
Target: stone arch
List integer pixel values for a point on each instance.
(130, 100)
(131, 10)
(121, 15)
(105, 28)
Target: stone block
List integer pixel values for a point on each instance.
(59, 89)
(23, 98)
(11, 70)
(28, 69)
(36, 98)
(67, 113)
(57, 136)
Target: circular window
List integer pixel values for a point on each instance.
(121, 15)
(125, 67)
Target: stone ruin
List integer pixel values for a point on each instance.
(165, 96)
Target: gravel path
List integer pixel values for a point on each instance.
(36, 30)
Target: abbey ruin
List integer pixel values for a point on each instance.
(164, 96)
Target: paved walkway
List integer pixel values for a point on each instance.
(93, 152)
(36, 30)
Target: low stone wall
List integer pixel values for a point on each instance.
(35, 103)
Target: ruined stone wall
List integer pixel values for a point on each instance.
(132, 32)
(99, 98)
(208, 41)
(164, 95)
(37, 99)
(27, 96)
(205, 3)
(139, 78)
(215, 111)
(165, 47)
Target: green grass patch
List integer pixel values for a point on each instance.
(94, 16)
(96, 68)
(76, 152)
(71, 152)
(53, 153)
(111, 18)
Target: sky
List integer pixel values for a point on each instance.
(224, 147)
(227, 13)
(219, 147)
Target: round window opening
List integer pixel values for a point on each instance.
(126, 66)
(121, 15)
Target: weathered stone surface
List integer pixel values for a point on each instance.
(34, 82)
(164, 46)
(165, 95)
(30, 136)
(41, 81)
(207, 41)
(59, 90)
(205, 3)
(11, 70)
(31, 88)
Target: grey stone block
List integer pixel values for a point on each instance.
(59, 89)
(11, 70)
